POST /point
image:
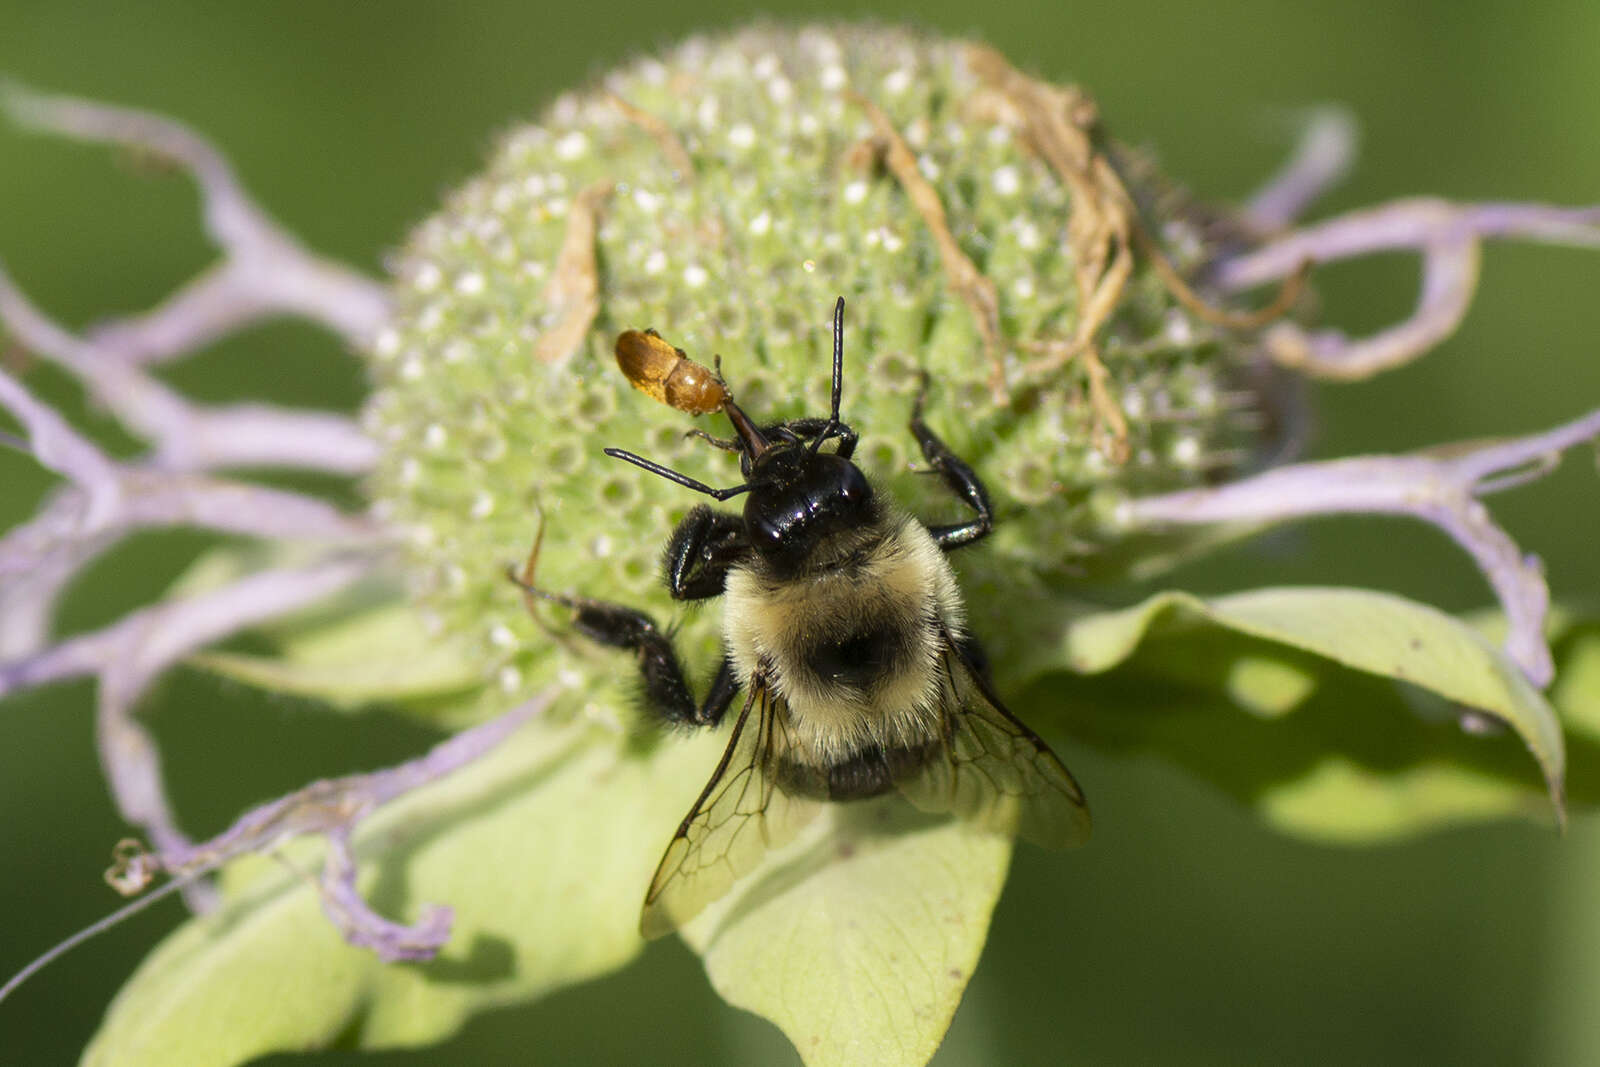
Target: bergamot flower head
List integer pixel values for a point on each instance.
(725, 193)
(1117, 362)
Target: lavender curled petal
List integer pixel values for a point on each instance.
(189, 436)
(60, 448)
(131, 651)
(341, 901)
(142, 404)
(1445, 235)
(129, 654)
(335, 807)
(37, 561)
(334, 802)
(58, 523)
(262, 435)
(1450, 265)
(1366, 485)
(28, 597)
(266, 271)
(260, 829)
(1321, 159)
(39, 558)
(1439, 490)
(453, 752)
(157, 498)
(155, 638)
(361, 926)
(1406, 224)
(146, 498)
(131, 763)
(1487, 466)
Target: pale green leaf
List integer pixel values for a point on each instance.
(364, 646)
(1336, 713)
(380, 654)
(1378, 633)
(858, 939)
(1362, 801)
(1574, 634)
(544, 849)
(1577, 687)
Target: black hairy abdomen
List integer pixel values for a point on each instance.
(871, 772)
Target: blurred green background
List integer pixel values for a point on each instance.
(1187, 932)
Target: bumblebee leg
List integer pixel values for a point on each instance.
(666, 690)
(727, 444)
(719, 697)
(807, 428)
(959, 478)
(615, 626)
(703, 548)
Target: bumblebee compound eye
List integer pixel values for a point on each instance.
(853, 491)
(834, 487)
(774, 521)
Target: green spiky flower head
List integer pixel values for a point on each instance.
(725, 194)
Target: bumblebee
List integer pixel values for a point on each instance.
(843, 627)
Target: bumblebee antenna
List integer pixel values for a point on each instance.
(673, 476)
(838, 377)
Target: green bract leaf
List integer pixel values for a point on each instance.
(858, 939)
(1574, 634)
(1577, 687)
(544, 850)
(378, 655)
(365, 646)
(1348, 754)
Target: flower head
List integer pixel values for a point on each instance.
(1089, 351)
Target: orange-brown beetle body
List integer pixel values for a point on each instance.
(663, 372)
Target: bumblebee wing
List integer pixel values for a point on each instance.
(740, 814)
(995, 772)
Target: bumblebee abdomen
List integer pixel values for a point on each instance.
(860, 659)
(870, 772)
(851, 652)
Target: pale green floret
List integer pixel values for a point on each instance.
(744, 258)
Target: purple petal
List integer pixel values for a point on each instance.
(267, 271)
(1447, 237)
(1321, 159)
(365, 928)
(1439, 490)
(189, 436)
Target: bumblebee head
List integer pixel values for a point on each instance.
(799, 500)
(801, 497)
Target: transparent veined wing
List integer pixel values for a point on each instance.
(740, 815)
(994, 771)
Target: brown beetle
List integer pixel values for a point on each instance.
(663, 372)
